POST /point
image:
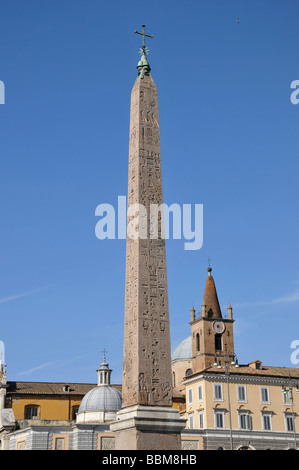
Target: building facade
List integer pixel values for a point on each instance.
(228, 405)
(53, 416)
(244, 407)
(59, 416)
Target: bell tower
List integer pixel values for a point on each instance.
(211, 334)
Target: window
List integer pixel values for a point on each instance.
(189, 372)
(31, 412)
(219, 419)
(190, 396)
(191, 421)
(218, 342)
(218, 392)
(265, 395)
(200, 420)
(74, 413)
(244, 420)
(287, 396)
(173, 379)
(199, 392)
(241, 393)
(197, 342)
(267, 421)
(289, 420)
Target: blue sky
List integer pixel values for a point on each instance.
(229, 141)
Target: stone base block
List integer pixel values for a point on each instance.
(148, 428)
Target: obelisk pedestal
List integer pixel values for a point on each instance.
(147, 419)
(148, 428)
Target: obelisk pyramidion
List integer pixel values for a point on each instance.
(147, 419)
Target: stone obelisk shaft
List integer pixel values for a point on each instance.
(147, 361)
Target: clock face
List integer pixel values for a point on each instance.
(218, 326)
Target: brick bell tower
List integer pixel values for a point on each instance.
(211, 333)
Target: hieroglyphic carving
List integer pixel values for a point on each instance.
(147, 368)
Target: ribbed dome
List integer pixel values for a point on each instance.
(101, 398)
(184, 350)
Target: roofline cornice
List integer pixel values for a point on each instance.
(235, 378)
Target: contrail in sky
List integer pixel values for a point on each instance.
(293, 297)
(19, 296)
(42, 366)
(54, 364)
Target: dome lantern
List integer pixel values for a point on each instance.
(102, 402)
(104, 372)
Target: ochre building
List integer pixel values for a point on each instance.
(231, 405)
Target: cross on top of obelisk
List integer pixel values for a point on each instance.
(144, 49)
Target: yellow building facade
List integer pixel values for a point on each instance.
(45, 400)
(54, 401)
(59, 416)
(228, 405)
(245, 399)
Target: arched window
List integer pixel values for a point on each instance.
(173, 379)
(189, 372)
(218, 342)
(197, 342)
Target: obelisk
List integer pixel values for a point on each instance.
(147, 420)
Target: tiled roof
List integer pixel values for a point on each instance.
(57, 388)
(176, 393)
(270, 371)
(210, 298)
(50, 388)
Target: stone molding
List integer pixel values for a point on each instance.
(150, 418)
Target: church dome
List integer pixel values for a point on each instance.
(184, 350)
(101, 398)
(102, 402)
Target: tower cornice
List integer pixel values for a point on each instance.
(211, 320)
